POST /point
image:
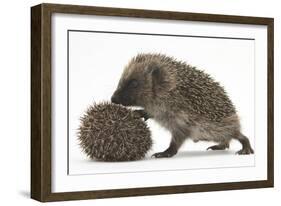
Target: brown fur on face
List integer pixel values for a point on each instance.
(185, 100)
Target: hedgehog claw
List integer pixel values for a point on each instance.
(162, 154)
(142, 114)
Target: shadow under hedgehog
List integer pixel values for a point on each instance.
(183, 99)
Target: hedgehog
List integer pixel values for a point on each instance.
(185, 100)
(111, 132)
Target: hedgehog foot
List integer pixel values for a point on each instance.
(162, 154)
(140, 113)
(219, 147)
(246, 146)
(245, 151)
(167, 153)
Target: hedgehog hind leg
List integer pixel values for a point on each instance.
(246, 146)
(221, 146)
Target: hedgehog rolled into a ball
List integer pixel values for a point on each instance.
(111, 132)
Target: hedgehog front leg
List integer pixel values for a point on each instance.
(175, 144)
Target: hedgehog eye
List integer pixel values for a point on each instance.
(133, 83)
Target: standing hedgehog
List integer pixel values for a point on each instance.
(183, 99)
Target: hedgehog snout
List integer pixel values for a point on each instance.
(115, 99)
(122, 98)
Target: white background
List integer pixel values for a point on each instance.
(96, 61)
(15, 104)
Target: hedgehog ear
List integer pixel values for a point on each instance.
(157, 77)
(156, 74)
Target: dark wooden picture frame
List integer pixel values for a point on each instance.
(41, 101)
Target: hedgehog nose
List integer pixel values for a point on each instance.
(114, 99)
